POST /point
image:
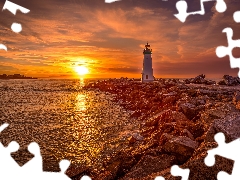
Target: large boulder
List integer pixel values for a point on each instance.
(229, 125)
(199, 79)
(181, 145)
(218, 111)
(148, 165)
(229, 81)
(188, 109)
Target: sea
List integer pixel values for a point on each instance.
(86, 127)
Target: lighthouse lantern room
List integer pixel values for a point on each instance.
(147, 71)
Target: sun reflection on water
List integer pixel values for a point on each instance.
(80, 104)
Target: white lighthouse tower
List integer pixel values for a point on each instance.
(147, 71)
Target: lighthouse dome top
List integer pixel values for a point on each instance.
(147, 49)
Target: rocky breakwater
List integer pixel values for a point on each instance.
(178, 120)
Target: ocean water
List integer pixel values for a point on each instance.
(85, 127)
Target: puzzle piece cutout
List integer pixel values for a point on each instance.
(177, 171)
(227, 150)
(111, 1)
(9, 169)
(182, 9)
(12, 7)
(236, 16)
(222, 51)
(16, 27)
(159, 178)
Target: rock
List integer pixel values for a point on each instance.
(169, 100)
(139, 151)
(153, 121)
(210, 82)
(198, 169)
(168, 127)
(131, 140)
(209, 93)
(217, 112)
(236, 99)
(148, 165)
(229, 81)
(181, 145)
(186, 133)
(222, 82)
(229, 125)
(119, 165)
(197, 130)
(165, 138)
(199, 79)
(187, 81)
(77, 171)
(188, 109)
(113, 170)
(138, 137)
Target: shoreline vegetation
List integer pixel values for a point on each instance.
(178, 120)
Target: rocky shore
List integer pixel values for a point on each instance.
(178, 120)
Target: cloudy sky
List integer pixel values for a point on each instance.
(108, 39)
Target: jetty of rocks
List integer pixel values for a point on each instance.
(179, 119)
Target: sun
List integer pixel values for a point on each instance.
(81, 70)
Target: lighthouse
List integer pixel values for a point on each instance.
(147, 71)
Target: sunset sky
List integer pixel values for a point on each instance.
(108, 39)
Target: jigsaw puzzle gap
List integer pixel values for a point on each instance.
(222, 51)
(182, 7)
(177, 171)
(228, 150)
(236, 16)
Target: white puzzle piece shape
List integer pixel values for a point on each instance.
(177, 171)
(222, 51)
(12, 7)
(182, 9)
(227, 150)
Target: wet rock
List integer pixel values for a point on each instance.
(118, 166)
(188, 109)
(220, 110)
(236, 99)
(169, 100)
(148, 165)
(168, 127)
(199, 80)
(165, 138)
(131, 140)
(138, 137)
(153, 121)
(197, 130)
(229, 81)
(186, 133)
(198, 169)
(77, 171)
(181, 145)
(139, 151)
(228, 125)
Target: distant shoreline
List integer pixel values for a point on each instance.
(15, 76)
